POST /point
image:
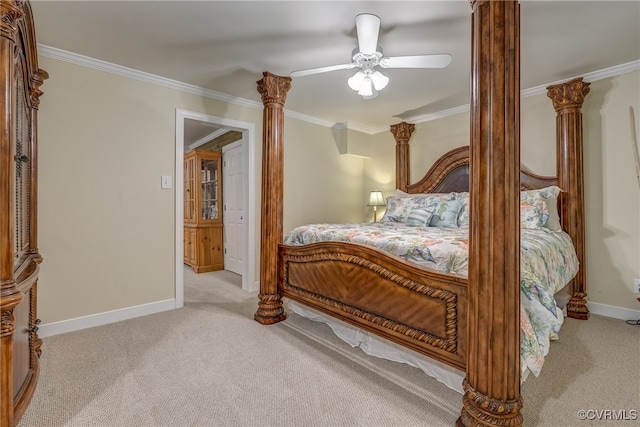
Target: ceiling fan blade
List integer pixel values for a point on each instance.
(319, 70)
(368, 27)
(416, 61)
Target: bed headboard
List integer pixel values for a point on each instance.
(451, 173)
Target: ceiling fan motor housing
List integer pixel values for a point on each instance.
(366, 60)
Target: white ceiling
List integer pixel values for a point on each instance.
(226, 45)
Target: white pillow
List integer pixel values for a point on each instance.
(553, 223)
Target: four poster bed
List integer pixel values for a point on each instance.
(471, 323)
(327, 268)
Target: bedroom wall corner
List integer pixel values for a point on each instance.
(320, 184)
(379, 171)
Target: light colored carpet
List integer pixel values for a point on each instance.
(211, 364)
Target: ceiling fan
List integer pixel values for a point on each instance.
(368, 80)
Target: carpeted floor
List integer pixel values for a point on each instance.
(211, 364)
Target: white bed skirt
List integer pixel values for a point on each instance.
(379, 347)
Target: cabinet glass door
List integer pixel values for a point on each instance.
(189, 193)
(209, 181)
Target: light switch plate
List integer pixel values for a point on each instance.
(166, 181)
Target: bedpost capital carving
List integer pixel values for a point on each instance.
(402, 132)
(569, 95)
(11, 13)
(273, 88)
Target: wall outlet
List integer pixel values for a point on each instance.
(636, 286)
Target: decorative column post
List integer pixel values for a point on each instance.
(402, 133)
(567, 100)
(492, 385)
(273, 90)
(37, 79)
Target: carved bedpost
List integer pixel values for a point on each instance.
(402, 133)
(492, 385)
(273, 90)
(567, 100)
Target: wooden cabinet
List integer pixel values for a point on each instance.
(20, 80)
(203, 249)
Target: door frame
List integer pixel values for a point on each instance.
(247, 129)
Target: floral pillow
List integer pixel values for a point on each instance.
(400, 205)
(534, 211)
(397, 209)
(425, 200)
(536, 207)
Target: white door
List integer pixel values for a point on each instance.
(233, 209)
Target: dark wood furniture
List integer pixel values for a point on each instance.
(202, 211)
(19, 257)
(469, 323)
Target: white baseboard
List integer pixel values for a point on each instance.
(613, 311)
(105, 318)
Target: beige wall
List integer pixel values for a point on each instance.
(102, 213)
(612, 190)
(321, 185)
(106, 229)
(612, 193)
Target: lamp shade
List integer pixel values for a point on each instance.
(356, 81)
(368, 82)
(376, 199)
(380, 81)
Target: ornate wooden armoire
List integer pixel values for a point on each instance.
(19, 257)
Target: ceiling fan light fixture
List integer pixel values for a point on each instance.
(380, 81)
(356, 81)
(368, 83)
(367, 89)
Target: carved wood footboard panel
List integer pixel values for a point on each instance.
(423, 310)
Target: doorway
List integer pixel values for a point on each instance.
(247, 235)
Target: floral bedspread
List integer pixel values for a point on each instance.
(548, 261)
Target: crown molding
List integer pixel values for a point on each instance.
(594, 76)
(606, 73)
(108, 67)
(97, 64)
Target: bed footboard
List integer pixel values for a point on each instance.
(424, 310)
